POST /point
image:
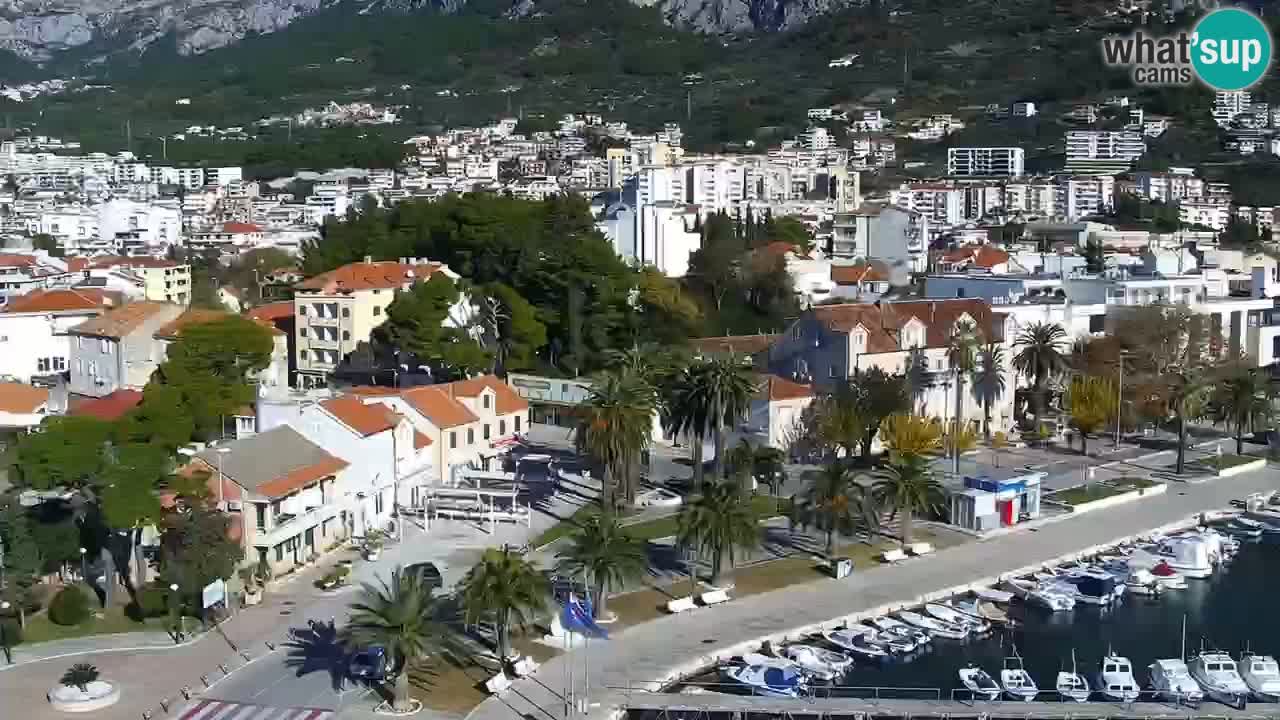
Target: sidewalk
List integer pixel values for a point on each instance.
(670, 645)
(119, 642)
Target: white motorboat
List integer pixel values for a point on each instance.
(936, 627)
(977, 681)
(855, 642)
(769, 680)
(820, 663)
(983, 610)
(1168, 578)
(1115, 680)
(1000, 597)
(1218, 676)
(1072, 685)
(1262, 675)
(1092, 587)
(895, 644)
(893, 626)
(1142, 582)
(1016, 681)
(1242, 527)
(948, 614)
(1033, 593)
(1172, 681)
(1188, 555)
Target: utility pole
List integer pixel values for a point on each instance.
(688, 106)
(128, 134)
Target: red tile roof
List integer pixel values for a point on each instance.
(858, 274)
(774, 387)
(364, 419)
(737, 344)
(983, 256)
(369, 275)
(121, 321)
(272, 311)
(884, 321)
(239, 227)
(77, 264)
(506, 400)
(48, 301)
(21, 399)
(420, 441)
(438, 405)
(109, 407)
(194, 316)
(17, 260)
(301, 477)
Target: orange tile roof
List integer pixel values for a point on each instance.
(109, 261)
(121, 321)
(193, 316)
(420, 441)
(239, 227)
(109, 407)
(739, 344)
(21, 399)
(370, 275)
(364, 419)
(857, 274)
(47, 301)
(272, 312)
(17, 260)
(506, 400)
(774, 387)
(983, 256)
(301, 477)
(884, 320)
(439, 406)
(77, 264)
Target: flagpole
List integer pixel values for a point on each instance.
(586, 652)
(573, 701)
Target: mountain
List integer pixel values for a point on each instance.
(40, 30)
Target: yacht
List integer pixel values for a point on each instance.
(1016, 681)
(819, 663)
(1188, 555)
(1217, 674)
(1072, 685)
(1142, 582)
(1262, 675)
(1115, 680)
(977, 681)
(935, 627)
(947, 614)
(982, 610)
(855, 642)
(770, 680)
(1172, 681)
(893, 626)
(1033, 593)
(1168, 578)
(1093, 587)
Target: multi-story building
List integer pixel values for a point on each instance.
(1173, 186)
(1208, 214)
(1103, 151)
(34, 340)
(942, 204)
(1079, 197)
(117, 350)
(1228, 104)
(1033, 198)
(164, 281)
(986, 161)
(337, 310)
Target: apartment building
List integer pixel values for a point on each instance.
(117, 349)
(1083, 196)
(1208, 214)
(337, 310)
(1034, 198)
(942, 204)
(1103, 151)
(1228, 104)
(34, 329)
(1168, 187)
(163, 281)
(986, 161)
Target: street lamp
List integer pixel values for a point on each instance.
(177, 608)
(4, 631)
(84, 564)
(221, 479)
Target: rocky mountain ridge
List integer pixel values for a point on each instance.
(39, 30)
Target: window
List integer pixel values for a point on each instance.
(80, 342)
(346, 334)
(834, 371)
(502, 427)
(377, 311)
(518, 417)
(486, 431)
(302, 332)
(377, 502)
(280, 552)
(486, 400)
(960, 292)
(302, 310)
(346, 312)
(453, 436)
(471, 436)
(302, 354)
(261, 509)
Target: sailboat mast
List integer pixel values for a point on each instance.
(1184, 636)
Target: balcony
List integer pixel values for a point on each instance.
(323, 320)
(287, 526)
(324, 342)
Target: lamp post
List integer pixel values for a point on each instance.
(221, 479)
(4, 631)
(1120, 394)
(84, 564)
(177, 609)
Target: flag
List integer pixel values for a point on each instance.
(577, 616)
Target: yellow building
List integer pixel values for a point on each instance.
(163, 281)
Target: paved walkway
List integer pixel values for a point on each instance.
(119, 642)
(674, 645)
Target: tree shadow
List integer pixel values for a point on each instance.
(318, 649)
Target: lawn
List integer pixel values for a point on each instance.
(1081, 494)
(1225, 461)
(41, 629)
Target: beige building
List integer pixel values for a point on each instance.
(163, 281)
(338, 310)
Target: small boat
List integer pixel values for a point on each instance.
(1168, 578)
(821, 663)
(936, 627)
(769, 680)
(1000, 597)
(1016, 681)
(1188, 555)
(1093, 587)
(1217, 674)
(855, 642)
(1072, 685)
(1142, 582)
(1262, 675)
(895, 644)
(1032, 593)
(948, 614)
(977, 681)
(1173, 682)
(893, 626)
(1115, 680)
(1242, 528)
(983, 610)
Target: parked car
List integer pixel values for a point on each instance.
(659, 497)
(429, 573)
(369, 664)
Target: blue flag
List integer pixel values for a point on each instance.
(577, 616)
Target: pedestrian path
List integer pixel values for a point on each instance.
(119, 642)
(217, 710)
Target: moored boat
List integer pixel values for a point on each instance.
(1072, 685)
(936, 627)
(1172, 681)
(1016, 681)
(821, 663)
(1220, 678)
(1262, 675)
(769, 680)
(977, 681)
(1115, 679)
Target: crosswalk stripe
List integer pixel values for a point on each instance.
(264, 713)
(208, 711)
(195, 711)
(226, 712)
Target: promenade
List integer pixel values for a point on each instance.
(648, 655)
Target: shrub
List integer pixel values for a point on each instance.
(69, 607)
(151, 601)
(79, 676)
(12, 631)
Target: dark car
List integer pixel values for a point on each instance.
(369, 664)
(428, 572)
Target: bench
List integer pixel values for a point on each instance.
(715, 597)
(920, 548)
(496, 684)
(525, 666)
(675, 607)
(894, 555)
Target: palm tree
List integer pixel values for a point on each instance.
(911, 435)
(882, 395)
(1091, 401)
(602, 551)
(989, 383)
(508, 588)
(728, 388)
(836, 500)
(1187, 390)
(615, 426)
(961, 352)
(842, 420)
(1040, 359)
(907, 486)
(719, 522)
(401, 617)
(686, 413)
(1242, 400)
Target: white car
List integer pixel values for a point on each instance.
(659, 497)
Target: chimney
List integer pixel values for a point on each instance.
(368, 259)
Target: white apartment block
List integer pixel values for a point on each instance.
(1173, 186)
(941, 204)
(1032, 198)
(1227, 105)
(986, 161)
(1106, 151)
(1213, 215)
(1079, 197)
